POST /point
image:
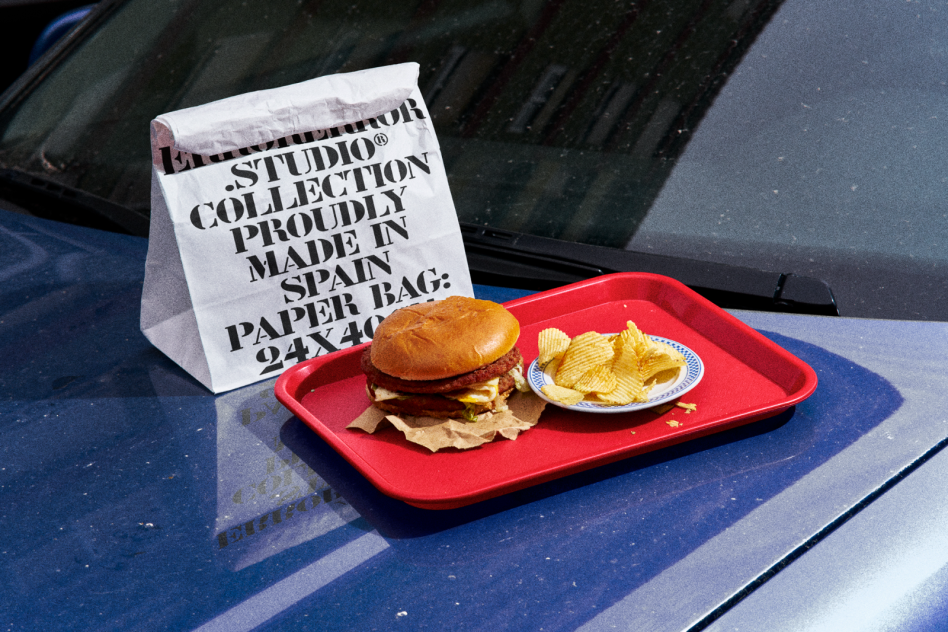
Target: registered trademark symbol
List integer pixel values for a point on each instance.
(381, 139)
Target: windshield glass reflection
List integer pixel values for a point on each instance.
(558, 118)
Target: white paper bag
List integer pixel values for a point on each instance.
(287, 223)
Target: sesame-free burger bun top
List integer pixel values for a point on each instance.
(432, 341)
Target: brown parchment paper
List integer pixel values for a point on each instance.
(523, 412)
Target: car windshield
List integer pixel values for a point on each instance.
(796, 136)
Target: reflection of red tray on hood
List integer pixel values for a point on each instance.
(747, 378)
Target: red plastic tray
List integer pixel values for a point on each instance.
(747, 378)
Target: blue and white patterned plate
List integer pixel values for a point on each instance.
(687, 379)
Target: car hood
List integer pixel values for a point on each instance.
(131, 494)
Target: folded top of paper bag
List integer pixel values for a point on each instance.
(259, 117)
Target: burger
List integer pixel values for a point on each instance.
(454, 358)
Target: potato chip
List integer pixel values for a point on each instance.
(553, 344)
(629, 388)
(639, 339)
(585, 351)
(562, 394)
(663, 377)
(626, 357)
(599, 379)
(660, 357)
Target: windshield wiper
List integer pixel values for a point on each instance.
(43, 197)
(508, 259)
(495, 257)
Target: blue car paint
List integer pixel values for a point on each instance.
(886, 569)
(132, 498)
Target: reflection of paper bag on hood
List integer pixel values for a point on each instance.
(287, 223)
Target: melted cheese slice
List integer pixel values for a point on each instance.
(480, 393)
(383, 394)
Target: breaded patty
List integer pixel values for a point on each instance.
(459, 382)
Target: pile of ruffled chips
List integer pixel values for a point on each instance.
(611, 370)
